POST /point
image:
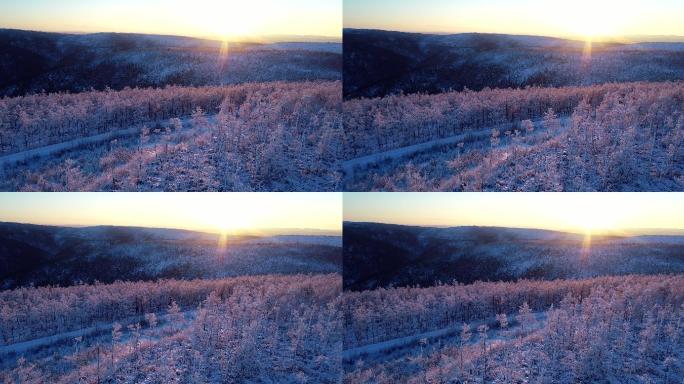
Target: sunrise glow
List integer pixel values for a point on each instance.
(217, 19)
(226, 213)
(584, 213)
(581, 19)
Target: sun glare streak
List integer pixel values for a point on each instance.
(586, 247)
(586, 52)
(223, 54)
(223, 240)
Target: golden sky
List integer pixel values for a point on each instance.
(575, 212)
(228, 19)
(576, 18)
(215, 212)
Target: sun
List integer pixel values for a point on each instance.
(595, 222)
(234, 27)
(593, 26)
(592, 216)
(232, 223)
(598, 224)
(593, 20)
(232, 20)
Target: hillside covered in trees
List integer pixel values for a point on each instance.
(34, 62)
(112, 304)
(378, 63)
(245, 329)
(275, 136)
(626, 329)
(44, 255)
(610, 137)
(386, 255)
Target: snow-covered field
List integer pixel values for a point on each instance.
(606, 330)
(264, 329)
(612, 137)
(253, 137)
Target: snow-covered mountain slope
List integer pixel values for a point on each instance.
(378, 63)
(383, 255)
(41, 255)
(34, 61)
(333, 241)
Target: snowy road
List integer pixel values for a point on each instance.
(71, 144)
(349, 165)
(76, 143)
(352, 354)
(397, 153)
(28, 345)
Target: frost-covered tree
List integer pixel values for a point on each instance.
(151, 319)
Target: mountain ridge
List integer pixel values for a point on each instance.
(52, 255)
(385, 255)
(378, 63)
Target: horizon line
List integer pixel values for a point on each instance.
(199, 230)
(564, 37)
(581, 232)
(236, 38)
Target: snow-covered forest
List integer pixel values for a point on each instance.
(35, 61)
(627, 329)
(44, 255)
(259, 329)
(378, 63)
(389, 255)
(610, 137)
(260, 136)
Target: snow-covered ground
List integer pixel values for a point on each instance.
(50, 150)
(263, 329)
(223, 138)
(619, 331)
(396, 155)
(600, 140)
(98, 329)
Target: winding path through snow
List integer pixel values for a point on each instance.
(410, 341)
(28, 345)
(49, 150)
(370, 349)
(66, 145)
(397, 153)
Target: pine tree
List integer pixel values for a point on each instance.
(525, 317)
(151, 320)
(463, 341)
(116, 337)
(482, 331)
(175, 316)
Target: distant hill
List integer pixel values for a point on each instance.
(42, 255)
(384, 255)
(378, 63)
(35, 61)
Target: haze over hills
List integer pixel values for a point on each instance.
(209, 233)
(627, 39)
(36, 61)
(43, 255)
(378, 63)
(385, 255)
